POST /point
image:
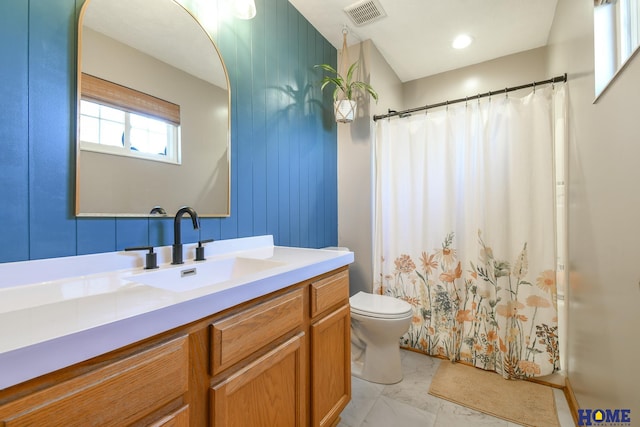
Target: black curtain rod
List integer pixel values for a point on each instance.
(408, 112)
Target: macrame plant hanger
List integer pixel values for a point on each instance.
(344, 109)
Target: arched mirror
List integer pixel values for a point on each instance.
(153, 112)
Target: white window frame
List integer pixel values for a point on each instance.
(616, 39)
(173, 154)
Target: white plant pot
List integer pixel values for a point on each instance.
(345, 110)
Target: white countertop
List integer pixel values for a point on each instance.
(58, 312)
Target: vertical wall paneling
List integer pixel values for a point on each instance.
(272, 119)
(244, 135)
(132, 232)
(52, 42)
(14, 134)
(302, 138)
(283, 112)
(226, 41)
(259, 123)
(316, 202)
(304, 135)
(283, 150)
(295, 79)
(315, 150)
(96, 235)
(210, 228)
(161, 232)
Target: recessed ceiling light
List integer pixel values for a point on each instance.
(462, 41)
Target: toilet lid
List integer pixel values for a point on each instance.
(374, 305)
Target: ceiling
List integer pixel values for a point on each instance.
(415, 37)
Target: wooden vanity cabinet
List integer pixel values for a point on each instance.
(279, 360)
(269, 390)
(330, 332)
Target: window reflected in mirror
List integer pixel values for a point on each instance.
(125, 122)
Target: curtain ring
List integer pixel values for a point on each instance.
(466, 100)
(534, 87)
(446, 105)
(506, 93)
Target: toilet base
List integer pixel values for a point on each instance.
(369, 369)
(377, 323)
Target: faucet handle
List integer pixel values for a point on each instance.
(200, 249)
(151, 260)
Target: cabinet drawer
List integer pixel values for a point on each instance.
(114, 395)
(238, 336)
(329, 292)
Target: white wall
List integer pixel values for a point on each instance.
(354, 164)
(604, 225)
(512, 70)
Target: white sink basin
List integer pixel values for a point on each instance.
(44, 293)
(208, 273)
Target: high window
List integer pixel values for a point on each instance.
(616, 37)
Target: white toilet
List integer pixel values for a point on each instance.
(377, 323)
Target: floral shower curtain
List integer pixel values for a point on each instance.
(466, 229)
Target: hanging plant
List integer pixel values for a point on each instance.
(345, 91)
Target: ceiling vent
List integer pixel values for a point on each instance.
(365, 12)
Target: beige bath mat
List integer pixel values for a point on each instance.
(521, 402)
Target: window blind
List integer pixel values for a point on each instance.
(124, 98)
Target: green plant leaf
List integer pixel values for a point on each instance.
(346, 86)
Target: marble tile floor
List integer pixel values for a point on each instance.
(408, 404)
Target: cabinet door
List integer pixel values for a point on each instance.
(330, 367)
(178, 418)
(268, 392)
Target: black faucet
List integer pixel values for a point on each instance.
(177, 242)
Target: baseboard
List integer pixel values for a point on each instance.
(543, 381)
(571, 400)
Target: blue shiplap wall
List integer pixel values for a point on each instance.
(284, 154)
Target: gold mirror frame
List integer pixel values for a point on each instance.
(140, 185)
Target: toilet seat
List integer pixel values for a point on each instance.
(379, 306)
